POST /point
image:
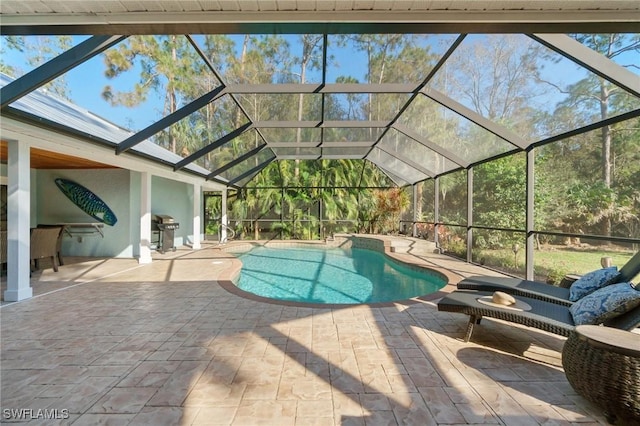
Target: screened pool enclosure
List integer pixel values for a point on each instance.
(484, 143)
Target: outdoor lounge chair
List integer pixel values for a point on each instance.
(540, 290)
(543, 315)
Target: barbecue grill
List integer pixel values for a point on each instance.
(165, 226)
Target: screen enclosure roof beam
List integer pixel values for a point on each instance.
(407, 161)
(170, 119)
(56, 67)
(252, 171)
(498, 130)
(213, 145)
(307, 88)
(237, 160)
(432, 146)
(342, 124)
(592, 60)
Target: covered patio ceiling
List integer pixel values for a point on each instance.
(130, 17)
(413, 121)
(43, 159)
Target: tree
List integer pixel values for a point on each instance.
(500, 193)
(595, 99)
(15, 43)
(389, 203)
(166, 66)
(37, 50)
(309, 58)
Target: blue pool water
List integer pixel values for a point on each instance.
(320, 275)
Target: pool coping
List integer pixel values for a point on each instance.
(227, 277)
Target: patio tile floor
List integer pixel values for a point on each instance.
(114, 342)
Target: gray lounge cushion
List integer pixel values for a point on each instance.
(518, 287)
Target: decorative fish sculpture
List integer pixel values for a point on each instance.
(89, 202)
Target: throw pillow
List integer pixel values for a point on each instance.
(590, 282)
(605, 303)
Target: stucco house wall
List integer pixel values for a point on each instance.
(174, 199)
(113, 186)
(120, 189)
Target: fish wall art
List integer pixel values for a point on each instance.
(86, 200)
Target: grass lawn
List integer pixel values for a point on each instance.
(578, 261)
(555, 261)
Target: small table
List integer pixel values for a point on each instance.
(603, 365)
(80, 229)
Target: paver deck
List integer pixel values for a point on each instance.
(114, 342)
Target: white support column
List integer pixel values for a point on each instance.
(145, 218)
(197, 212)
(223, 217)
(18, 222)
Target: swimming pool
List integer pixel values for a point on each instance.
(332, 276)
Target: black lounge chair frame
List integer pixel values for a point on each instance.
(544, 315)
(539, 290)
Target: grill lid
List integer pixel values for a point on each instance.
(163, 218)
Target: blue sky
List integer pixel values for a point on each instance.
(87, 81)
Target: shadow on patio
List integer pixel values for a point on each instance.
(165, 344)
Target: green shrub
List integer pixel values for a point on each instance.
(456, 247)
(556, 273)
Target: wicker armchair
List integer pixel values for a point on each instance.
(44, 242)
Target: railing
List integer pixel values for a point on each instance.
(501, 249)
(310, 229)
(432, 226)
(229, 230)
(505, 249)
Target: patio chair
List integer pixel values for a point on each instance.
(540, 314)
(540, 290)
(59, 242)
(44, 243)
